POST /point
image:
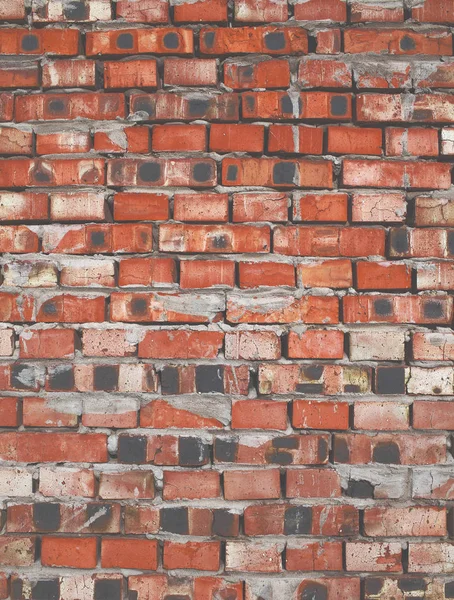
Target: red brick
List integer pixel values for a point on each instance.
(201, 207)
(363, 12)
(131, 553)
(354, 140)
(259, 206)
(395, 41)
(324, 73)
(68, 552)
(259, 414)
(411, 142)
(321, 10)
(190, 71)
(203, 556)
(175, 343)
(47, 343)
(312, 483)
(179, 138)
(208, 11)
(328, 41)
(313, 556)
(252, 485)
(191, 485)
(140, 206)
(383, 276)
(240, 40)
(383, 416)
(62, 42)
(320, 207)
(309, 414)
(147, 11)
(295, 139)
(274, 173)
(269, 274)
(434, 11)
(69, 73)
(399, 174)
(236, 138)
(207, 273)
(139, 41)
(66, 142)
(9, 412)
(252, 345)
(316, 343)
(214, 238)
(268, 73)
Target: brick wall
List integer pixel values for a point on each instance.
(227, 237)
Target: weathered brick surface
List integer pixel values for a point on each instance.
(226, 300)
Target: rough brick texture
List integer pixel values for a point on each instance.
(226, 299)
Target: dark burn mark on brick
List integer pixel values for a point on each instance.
(383, 307)
(209, 378)
(105, 378)
(41, 176)
(374, 585)
(180, 597)
(224, 523)
(298, 520)
(62, 378)
(171, 41)
(99, 515)
(170, 380)
(198, 107)
(291, 443)
(149, 172)
(208, 38)
(341, 450)
(220, 241)
(56, 106)
(313, 372)
(46, 516)
(313, 590)
(97, 238)
(192, 452)
(433, 309)
(284, 173)
(125, 41)
(399, 240)
(387, 453)
(225, 450)
(286, 105)
(132, 449)
(276, 457)
(323, 449)
(360, 489)
(246, 74)
(352, 388)
(49, 308)
(275, 40)
(45, 590)
(29, 43)
(202, 172)
(391, 380)
(16, 589)
(339, 106)
(107, 589)
(232, 173)
(74, 11)
(407, 43)
(139, 306)
(250, 102)
(23, 377)
(412, 584)
(422, 114)
(449, 589)
(309, 388)
(175, 520)
(451, 242)
(146, 105)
